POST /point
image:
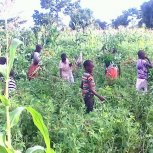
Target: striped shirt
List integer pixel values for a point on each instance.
(11, 84)
(86, 79)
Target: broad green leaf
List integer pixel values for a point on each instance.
(12, 51)
(2, 139)
(4, 100)
(15, 115)
(5, 150)
(38, 121)
(35, 148)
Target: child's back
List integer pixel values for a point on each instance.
(142, 69)
(33, 70)
(143, 65)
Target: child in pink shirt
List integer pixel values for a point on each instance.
(66, 69)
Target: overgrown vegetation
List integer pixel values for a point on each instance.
(122, 124)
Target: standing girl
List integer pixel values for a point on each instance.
(66, 69)
(143, 65)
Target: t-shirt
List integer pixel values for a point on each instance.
(36, 56)
(11, 84)
(33, 71)
(66, 70)
(142, 69)
(86, 79)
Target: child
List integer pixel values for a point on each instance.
(88, 86)
(33, 71)
(143, 65)
(66, 69)
(36, 54)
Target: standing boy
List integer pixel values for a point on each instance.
(88, 86)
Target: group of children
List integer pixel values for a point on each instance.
(87, 83)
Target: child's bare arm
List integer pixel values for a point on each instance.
(95, 93)
(149, 64)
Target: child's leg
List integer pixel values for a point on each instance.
(71, 78)
(89, 102)
(145, 86)
(141, 84)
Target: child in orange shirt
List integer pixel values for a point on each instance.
(33, 71)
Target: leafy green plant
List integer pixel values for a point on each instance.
(12, 118)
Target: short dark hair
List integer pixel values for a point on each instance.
(38, 48)
(87, 63)
(63, 55)
(140, 54)
(2, 60)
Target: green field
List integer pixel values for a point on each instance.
(123, 124)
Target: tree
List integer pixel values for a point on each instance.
(79, 18)
(42, 19)
(54, 7)
(101, 24)
(147, 13)
(125, 18)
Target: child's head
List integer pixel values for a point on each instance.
(88, 66)
(2, 60)
(63, 57)
(35, 61)
(12, 74)
(141, 54)
(38, 48)
(114, 50)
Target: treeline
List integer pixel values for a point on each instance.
(80, 18)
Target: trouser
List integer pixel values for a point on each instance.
(89, 102)
(141, 84)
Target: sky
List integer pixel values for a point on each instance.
(102, 9)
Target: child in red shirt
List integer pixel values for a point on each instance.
(33, 71)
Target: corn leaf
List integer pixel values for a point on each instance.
(15, 115)
(12, 51)
(38, 121)
(5, 150)
(2, 139)
(4, 100)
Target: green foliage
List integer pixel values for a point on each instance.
(38, 121)
(122, 124)
(81, 19)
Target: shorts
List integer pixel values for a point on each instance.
(89, 102)
(141, 84)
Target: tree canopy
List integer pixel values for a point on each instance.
(147, 13)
